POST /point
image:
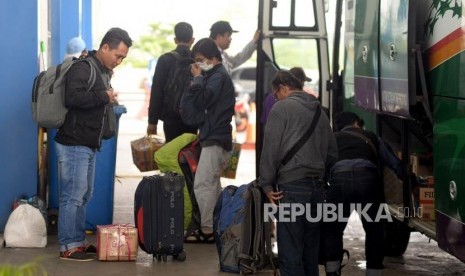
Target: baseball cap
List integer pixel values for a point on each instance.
(75, 46)
(299, 73)
(221, 27)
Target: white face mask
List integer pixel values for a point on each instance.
(204, 66)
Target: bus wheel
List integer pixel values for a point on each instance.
(396, 238)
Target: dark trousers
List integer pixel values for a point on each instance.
(173, 129)
(298, 241)
(361, 187)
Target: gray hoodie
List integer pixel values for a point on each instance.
(288, 120)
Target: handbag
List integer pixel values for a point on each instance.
(109, 122)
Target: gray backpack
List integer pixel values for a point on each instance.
(48, 94)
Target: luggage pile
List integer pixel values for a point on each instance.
(243, 238)
(167, 214)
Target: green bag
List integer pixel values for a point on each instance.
(167, 160)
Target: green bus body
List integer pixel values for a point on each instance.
(404, 74)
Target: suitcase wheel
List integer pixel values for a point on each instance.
(180, 257)
(161, 257)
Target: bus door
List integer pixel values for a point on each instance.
(293, 35)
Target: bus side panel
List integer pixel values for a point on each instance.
(394, 58)
(348, 96)
(445, 42)
(366, 54)
(449, 178)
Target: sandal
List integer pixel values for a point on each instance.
(199, 237)
(208, 238)
(192, 238)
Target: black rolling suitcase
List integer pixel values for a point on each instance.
(159, 215)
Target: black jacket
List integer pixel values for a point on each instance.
(217, 96)
(157, 93)
(84, 120)
(353, 147)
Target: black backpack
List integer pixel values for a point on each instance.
(178, 78)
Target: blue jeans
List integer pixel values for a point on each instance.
(298, 241)
(76, 170)
(361, 187)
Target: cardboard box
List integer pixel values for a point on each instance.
(427, 211)
(421, 165)
(143, 151)
(117, 242)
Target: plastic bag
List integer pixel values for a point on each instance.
(26, 228)
(231, 167)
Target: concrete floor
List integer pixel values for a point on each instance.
(422, 257)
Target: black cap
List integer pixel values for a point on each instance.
(300, 74)
(220, 27)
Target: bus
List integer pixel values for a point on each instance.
(397, 64)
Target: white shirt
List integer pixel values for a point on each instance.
(231, 62)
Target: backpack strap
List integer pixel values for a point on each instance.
(364, 138)
(302, 139)
(93, 72)
(175, 54)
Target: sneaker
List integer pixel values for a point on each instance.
(76, 255)
(89, 249)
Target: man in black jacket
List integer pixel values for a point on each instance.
(80, 137)
(355, 183)
(173, 126)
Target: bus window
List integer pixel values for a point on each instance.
(298, 14)
(291, 52)
(303, 9)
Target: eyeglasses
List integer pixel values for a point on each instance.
(276, 90)
(200, 59)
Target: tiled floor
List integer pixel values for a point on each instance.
(422, 257)
(201, 258)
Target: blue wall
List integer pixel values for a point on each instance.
(18, 138)
(68, 23)
(18, 68)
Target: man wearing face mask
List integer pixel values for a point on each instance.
(221, 32)
(213, 90)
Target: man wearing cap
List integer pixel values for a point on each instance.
(173, 126)
(221, 32)
(75, 48)
(270, 100)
